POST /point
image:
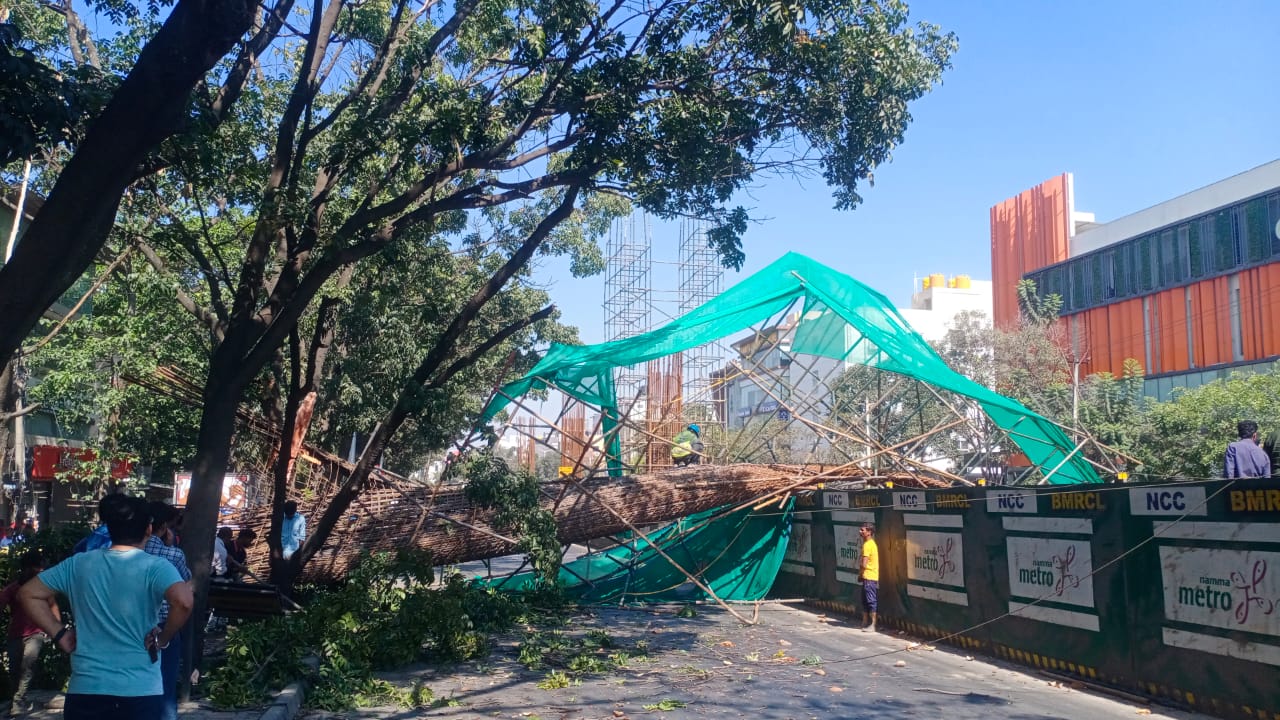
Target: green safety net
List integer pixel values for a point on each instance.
(842, 319)
(736, 554)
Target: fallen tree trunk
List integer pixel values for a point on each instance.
(399, 516)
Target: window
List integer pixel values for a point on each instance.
(1183, 251)
(1273, 222)
(1122, 264)
(1108, 274)
(1195, 248)
(1097, 286)
(1168, 259)
(1079, 286)
(1255, 229)
(1145, 262)
(1224, 243)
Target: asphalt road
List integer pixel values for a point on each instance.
(793, 665)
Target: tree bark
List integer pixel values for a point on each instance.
(444, 523)
(213, 451)
(429, 367)
(149, 106)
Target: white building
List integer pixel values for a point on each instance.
(768, 377)
(936, 305)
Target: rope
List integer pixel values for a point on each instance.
(1049, 596)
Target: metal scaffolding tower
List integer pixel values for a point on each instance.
(701, 278)
(628, 306)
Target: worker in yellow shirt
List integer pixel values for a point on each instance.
(870, 575)
(686, 446)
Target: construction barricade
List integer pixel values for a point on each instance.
(1169, 590)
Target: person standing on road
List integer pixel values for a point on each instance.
(870, 576)
(160, 544)
(115, 594)
(26, 639)
(1244, 458)
(293, 531)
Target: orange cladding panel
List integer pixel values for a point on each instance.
(1268, 299)
(1250, 317)
(1028, 232)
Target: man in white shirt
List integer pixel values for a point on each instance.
(220, 552)
(293, 529)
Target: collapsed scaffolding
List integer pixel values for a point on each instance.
(850, 389)
(837, 371)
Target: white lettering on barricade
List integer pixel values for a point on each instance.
(1173, 500)
(1051, 570)
(1229, 589)
(835, 499)
(936, 558)
(913, 501)
(849, 542)
(798, 558)
(1011, 501)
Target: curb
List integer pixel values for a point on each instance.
(289, 700)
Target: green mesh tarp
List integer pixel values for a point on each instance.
(842, 319)
(736, 554)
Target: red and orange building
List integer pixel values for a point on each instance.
(1189, 288)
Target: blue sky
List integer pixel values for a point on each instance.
(1142, 101)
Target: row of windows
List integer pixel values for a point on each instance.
(1220, 242)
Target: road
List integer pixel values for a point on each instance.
(793, 665)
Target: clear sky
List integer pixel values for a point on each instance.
(1141, 100)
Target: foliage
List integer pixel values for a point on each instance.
(55, 545)
(569, 659)
(665, 705)
(85, 374)
(1111, 407)
(515, 497)
(385, 616)
(1037, 309)
(1186, 436)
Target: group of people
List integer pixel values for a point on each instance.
(129, 585)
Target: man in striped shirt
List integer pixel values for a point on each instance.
(162, 543)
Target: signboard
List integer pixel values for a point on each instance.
(235, 489)
(1011, 501)
(1176, 501)
(47, 461)
(913, 501)
(835, 499)
(1230, 589)
(848, 552)
(799, 554)
(935, 557)
(1054, 569)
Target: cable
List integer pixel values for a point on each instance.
(1081, 488)
(1155, 534)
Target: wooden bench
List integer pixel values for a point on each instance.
(244, 600)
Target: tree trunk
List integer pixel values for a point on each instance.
(149, 106)
(213, 450)
(399, 516)
(9, 455)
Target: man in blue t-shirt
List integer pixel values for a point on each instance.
(115, 595)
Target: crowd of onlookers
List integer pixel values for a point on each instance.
(129, 585)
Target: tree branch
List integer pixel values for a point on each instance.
(204, 315)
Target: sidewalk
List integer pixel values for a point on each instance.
(49, 707)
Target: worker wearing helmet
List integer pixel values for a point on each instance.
(687, 447)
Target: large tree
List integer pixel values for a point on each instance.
(148, 106)
(373, 126)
